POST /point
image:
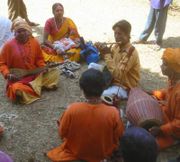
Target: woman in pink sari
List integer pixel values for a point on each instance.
(59, 29)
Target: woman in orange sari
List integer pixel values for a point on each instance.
(56, 29)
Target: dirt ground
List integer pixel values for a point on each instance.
(31, 130)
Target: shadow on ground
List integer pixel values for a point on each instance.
(173, 42)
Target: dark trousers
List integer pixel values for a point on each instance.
(16, 8)
(157, 21)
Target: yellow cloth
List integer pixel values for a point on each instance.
(47, 80)
(20, 23)
(172, 57)
(59, 58)
(125, 75)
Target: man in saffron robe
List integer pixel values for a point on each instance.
(169, 132)
(24, 52)
(89, 130)
(56, 29)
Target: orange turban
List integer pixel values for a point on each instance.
(20, 23)
(172, 57)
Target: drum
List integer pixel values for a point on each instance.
(143, 110)
(108, 100)
(111, 100)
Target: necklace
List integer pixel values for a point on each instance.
(25, 52)
(93, 100)
(58, 24)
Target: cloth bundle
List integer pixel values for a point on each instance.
(90, 53)
(63, 45)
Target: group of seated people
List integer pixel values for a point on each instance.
(91, 130)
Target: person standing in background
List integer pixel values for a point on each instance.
(5, 28)
(156, 20)
(18, 8)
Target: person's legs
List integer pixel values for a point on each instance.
(13, 9)
(160, 25)
(149, 26)
(113, 90)
(22, 93)
(23, 11)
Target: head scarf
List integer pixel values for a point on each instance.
(172, 58)
(20, 23)
(4, 157)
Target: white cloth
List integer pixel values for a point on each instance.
(63, 44)
(113, 90)
(5, 30)
(96, 66)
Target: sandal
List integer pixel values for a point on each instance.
(68, 73)
(72, 66)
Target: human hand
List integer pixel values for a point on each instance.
(12, 77)
(103, 48)
(155, 131)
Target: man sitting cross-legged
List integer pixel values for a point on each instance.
(90, 130)
(24, 53)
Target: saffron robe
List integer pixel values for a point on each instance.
(26, 56)
(89, 132)
(171, 109)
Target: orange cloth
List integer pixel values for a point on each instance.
(172, 57)
(126, 75)
(23, 56)
(89, 132)
(171, 109)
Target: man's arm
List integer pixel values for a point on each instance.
(3, 61)
(121, 68)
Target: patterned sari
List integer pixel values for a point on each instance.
(67, 29)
